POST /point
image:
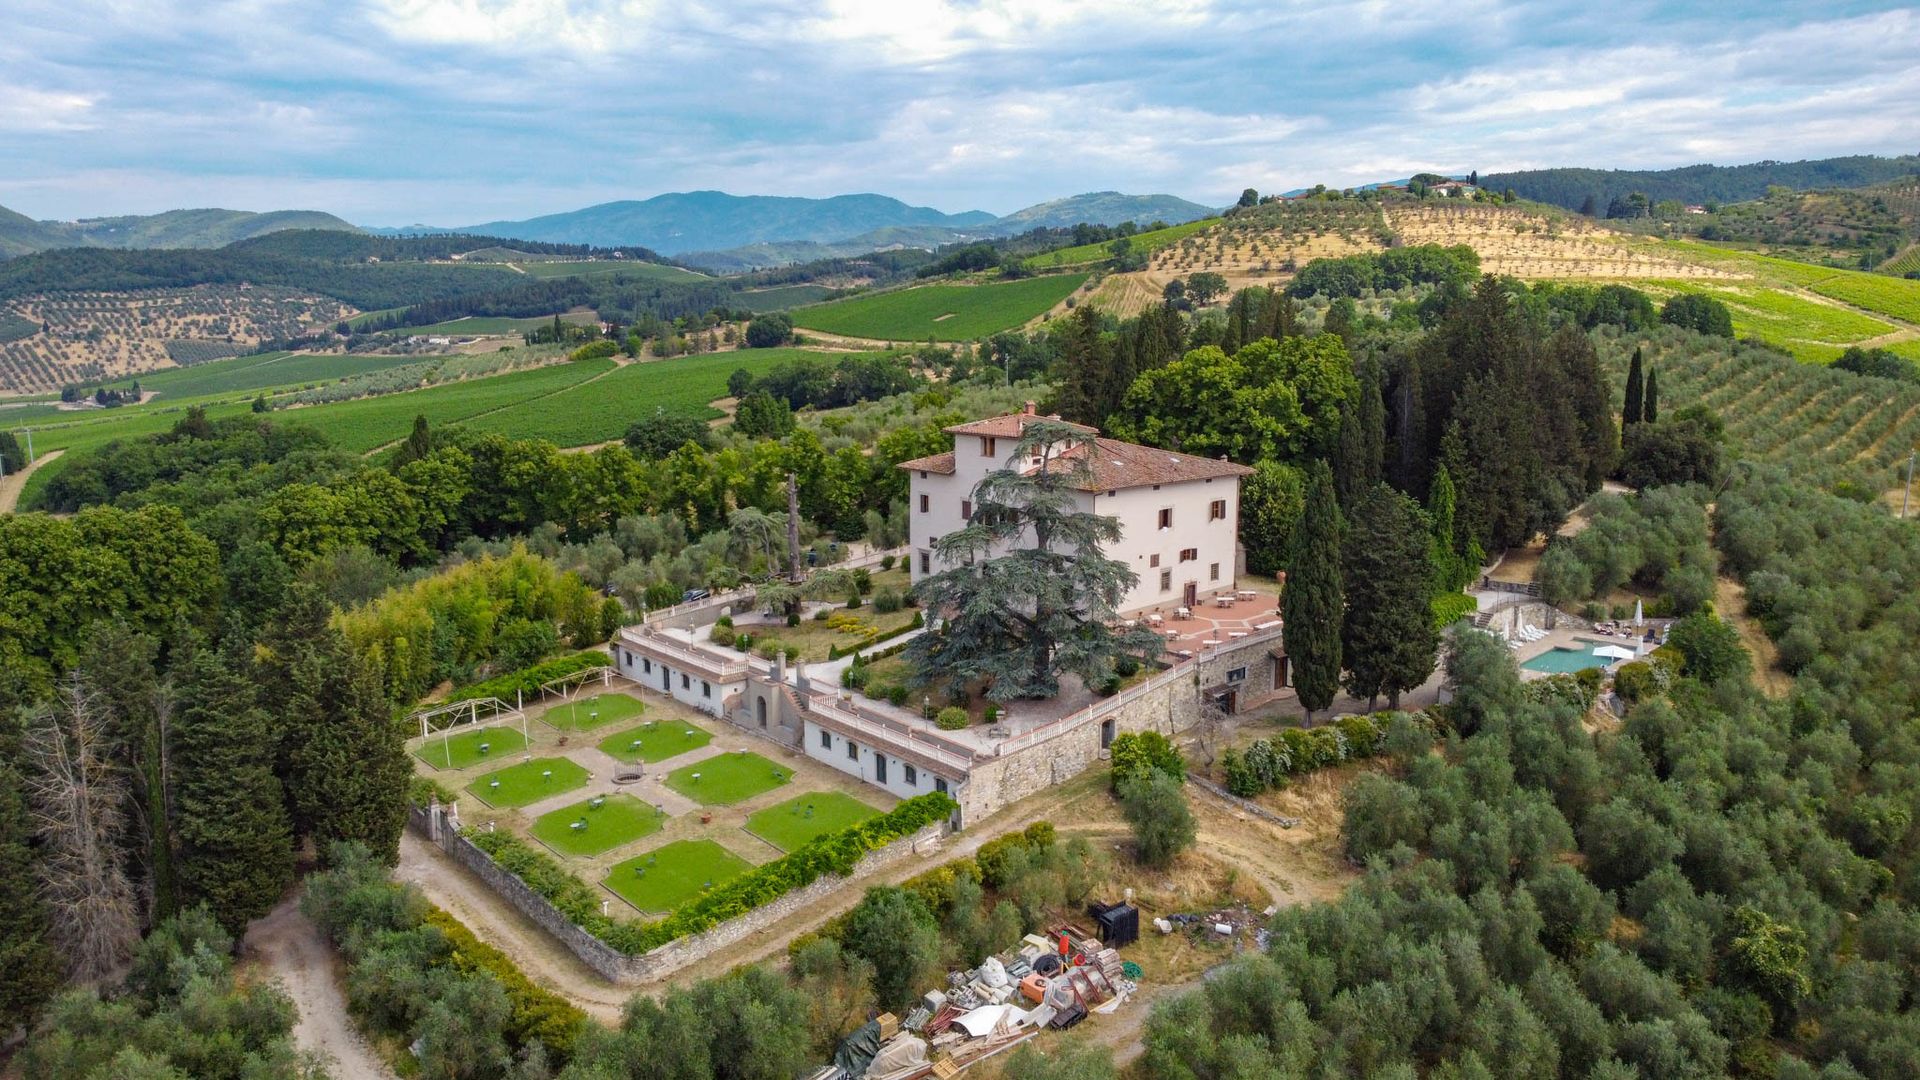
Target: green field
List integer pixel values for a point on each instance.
(792, 823)
(368, 423)
(781, 297)
(672, 874)
(266, 371)
(643, 271)
(605, 410)
(619, 819)
(728, 778)
(585, 714)
(518, 785)
(1144, 243)
(464, 750)
(943, 312)
(657, 741)
(483, 325)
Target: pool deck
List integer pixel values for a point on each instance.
(1568, 637)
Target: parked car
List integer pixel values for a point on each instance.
(691, 595)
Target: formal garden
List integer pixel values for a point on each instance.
(626, 794)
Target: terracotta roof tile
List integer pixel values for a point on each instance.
(1009, 426)
(1129, 465)
(938, 463)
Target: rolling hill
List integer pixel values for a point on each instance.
(1102, 208)
(714, 220)
(21, 235)
(1571, 188)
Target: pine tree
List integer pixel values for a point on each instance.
(1630, 412)
(29, 971)
(1651, 410)
(1312, 602)
(120, 663)
(1083, 376)
(230, 818)
(1387, 637)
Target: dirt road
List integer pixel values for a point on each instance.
(287, 946)
(14, 483)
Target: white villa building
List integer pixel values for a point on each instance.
(1179, 514)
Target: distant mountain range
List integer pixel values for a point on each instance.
(21, 235)
(741, 231)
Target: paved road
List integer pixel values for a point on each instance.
(293, 950)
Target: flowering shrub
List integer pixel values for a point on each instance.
(1267, 763)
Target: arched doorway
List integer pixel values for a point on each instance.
(760, 710)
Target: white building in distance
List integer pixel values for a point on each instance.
(1179, 514)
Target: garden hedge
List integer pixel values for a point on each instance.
(1266, 763)
(530, 679)
(835, 852)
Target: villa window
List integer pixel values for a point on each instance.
(1189, 554)
(925, 503)
(646, 665)
(686, 681)
(1217, 511)
(966, 509)
(986, 447)
(939, 785)
(1153, 560)
(826, 739)
(706, 689)
(1166, 581)
(1166, 517)
(1213, 571)
(912, 777)
(926, 563)
(853, 750)
(1238, 674)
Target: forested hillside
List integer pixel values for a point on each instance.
(20, 235)
(1580, 189)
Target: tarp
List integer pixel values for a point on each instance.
(905, 1052)
(1615, 652)
(981, 1021)
(857, 1050)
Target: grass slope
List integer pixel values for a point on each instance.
(1144, 243)
(619, 819)
(603, 411)
(672, 874)
(943, 312)
(267, 371)
(373, 422)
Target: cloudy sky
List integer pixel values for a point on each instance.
(457, 111)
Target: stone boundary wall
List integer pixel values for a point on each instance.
(618, 967)
(1238, 803)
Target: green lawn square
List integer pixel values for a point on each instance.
(658, 739)
(463, 750)
(522, 784)
(619, 819)
(789, 824)
(669, 876)
(588, 713)
(728, 778)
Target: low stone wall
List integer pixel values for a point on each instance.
(618, 967)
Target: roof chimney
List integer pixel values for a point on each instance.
(1030, 408)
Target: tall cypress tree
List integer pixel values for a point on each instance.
(230, 818)
(1651, 411)
(1630, 412)
(1363, 438)
(1312, 603)
(1450, 568)
(1387, 637)
(29, 970)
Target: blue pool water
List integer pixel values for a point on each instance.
(1560, 660)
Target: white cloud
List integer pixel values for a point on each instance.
(27, 109)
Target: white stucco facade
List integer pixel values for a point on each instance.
(691, 676)
(1179, 515)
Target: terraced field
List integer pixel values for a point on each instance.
(942, 312)
(483, 325)
(369, 423)
(1831, 426)
(265, 371)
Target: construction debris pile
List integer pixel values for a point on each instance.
(1045, 982)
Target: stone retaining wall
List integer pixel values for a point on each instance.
(618, 967)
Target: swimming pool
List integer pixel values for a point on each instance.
(1561, 660)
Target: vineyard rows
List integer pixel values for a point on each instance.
(941, 312)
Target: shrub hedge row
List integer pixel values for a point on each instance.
(1266, 763)
(835, 853)
(835, 652)
(530, 679)
(538, 1013)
